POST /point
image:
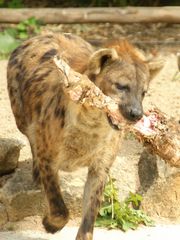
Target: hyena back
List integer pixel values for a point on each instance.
(64, 135)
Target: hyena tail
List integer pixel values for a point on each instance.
(13, 84)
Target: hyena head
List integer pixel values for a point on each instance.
(122, 73)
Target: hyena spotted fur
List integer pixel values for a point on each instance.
(64, 135)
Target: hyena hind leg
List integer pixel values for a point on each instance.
(35, 167)
(58, 214)
(36, 173)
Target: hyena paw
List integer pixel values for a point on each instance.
(55, 223)
(84, 236)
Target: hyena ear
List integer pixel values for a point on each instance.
(99, 59)
(155, 66)
(140, 54)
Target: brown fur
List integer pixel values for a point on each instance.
(62, 134)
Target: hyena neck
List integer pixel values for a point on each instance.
(87, 118)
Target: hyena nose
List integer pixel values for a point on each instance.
(135, 114)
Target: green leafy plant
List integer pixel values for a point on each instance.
(123, 215)
(10, 38)
(27, 28)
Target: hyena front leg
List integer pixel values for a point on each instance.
(58, 214)
(91, 201)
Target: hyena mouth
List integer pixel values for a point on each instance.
(113, 125)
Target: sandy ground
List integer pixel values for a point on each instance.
(154, 233)
(164, 92)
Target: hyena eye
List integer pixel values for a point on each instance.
(122, 87)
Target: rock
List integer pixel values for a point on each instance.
(147, 170)
(3, 215)
(22, 198)
(124, 169)
(9, 155)
(72, 186)
(163, 198)
(19, 195)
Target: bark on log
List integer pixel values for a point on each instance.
(93, 15)
(159, 134)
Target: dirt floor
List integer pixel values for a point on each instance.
(159, 40)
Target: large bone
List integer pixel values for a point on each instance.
(155, 131)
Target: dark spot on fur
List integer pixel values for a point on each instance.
(63, 112)
(39, 93)
(38, 108)
(59, 112)
(12, 62)
(92, 77)
(51, 187)
(47, 167)
(58, 207)
(55, 87)
(20, 74)
(34, 78)
(25, 45)
(10, 92)
(43, 124)
(16, 52)
(13, 103)
(62, 123)
(41, 77)
(42, 90)
(97, 191)
(48, 106)
(27, 85)
(33, 55)
(48, 55)
(57, 202)
(36, 175)
(48, 177)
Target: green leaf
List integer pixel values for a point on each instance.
(115, 214)
(134, 198)
(11, 31)
(21, 26)
(126, 225)
(32, 21)
(106, 210)
(23, 35)
(7, 43)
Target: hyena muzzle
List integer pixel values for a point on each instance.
(64, 135)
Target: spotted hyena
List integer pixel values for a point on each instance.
(64, 135)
